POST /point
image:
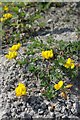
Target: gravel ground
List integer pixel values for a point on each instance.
(61, 22)
(34, 105)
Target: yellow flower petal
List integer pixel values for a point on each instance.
(15, 47)
(72, 65)
(56, 86)
(24, 93)
(59, 85)
(7, 15)
(5, 8)
(11, 55)
(68, 86)
(19, 45)
(20, 90)
(66, 66)
(69, 63)
(2, 19)
(47, 54)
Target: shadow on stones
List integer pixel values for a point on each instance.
(76, 85)
(37, 102)
(55, 31)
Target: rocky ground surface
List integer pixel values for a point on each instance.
(61, 22)
(34, 105)
(61, 26)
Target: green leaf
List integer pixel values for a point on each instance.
(22, 62)
(49, 93)
(15, 9)
(22, 14)
(41, 76)
(31, 67)
(42, 24)
(61, 60)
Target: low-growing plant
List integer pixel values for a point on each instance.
(51, 66)
(21, 21)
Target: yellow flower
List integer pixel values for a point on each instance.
(15, 47)
(69, 63)
(20, 90)
(2, 19)
(11, 55)
(5, 8)
(47, 54)
(68, 86)
(59, 85)
(7, 15)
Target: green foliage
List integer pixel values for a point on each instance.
(23, 21)
(15, 9)
(42, 24)
(44, 5)
(31, 68)
(22, 61)
(49, 93)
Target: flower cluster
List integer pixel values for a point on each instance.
(11, 55)
(47, 54)
(13, 51)
(5, 8)
(20, 90)
(69, 63)
(5, 16)
(60, 85)
(15, 47)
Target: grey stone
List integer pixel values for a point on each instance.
(69, 105)
(13, 114)
(43, 106)
(46, 102)
(40, 112)
(14, 110)
(49, 21)
(51, 114)
(75, 108)
(73, 117)
(26, 109)
(8, 105)
(64, 116)
(37, 106)
(32, 113)
(22, 115)
(19, 110)
(58, 107)
(63, 109)
(58, 114)
(27, 116)
(23, 108)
